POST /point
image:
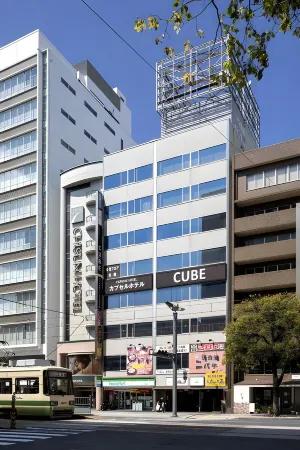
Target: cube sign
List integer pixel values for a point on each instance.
(215, 379)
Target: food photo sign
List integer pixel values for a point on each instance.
(139, 360)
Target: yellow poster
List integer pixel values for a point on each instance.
(215, 379)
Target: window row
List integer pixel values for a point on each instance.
(18, 271)
(132, 207)
(207, 256)
(67, 146)
(270, 268)
(17, 303)
(90, 108)
(109, 128)
(144, 329)
(16, 178)
(136, 267)
(197, 225)
(15, 241)
(193, 159)
(266, 239)
(131, 238)
(89, 136)
(129, 176)
(64, 113)
(65, 83)
(18, 146)
(17, 115)
(18, 334)
(171, 294)
(18, 83)
(271, 209)
(271, 177)
(18, 209)
(194, 192)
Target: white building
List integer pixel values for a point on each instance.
(53, 116)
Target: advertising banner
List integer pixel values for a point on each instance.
(205, 358)
(197, 381)
(133, 382)
(84, 364)
(181, 381)
(139, 360)
(168, 348)
(191, 275)
(128, 284)
(112, 271)
(215, 379)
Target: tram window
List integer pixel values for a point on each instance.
(6, 386)
(27, 385)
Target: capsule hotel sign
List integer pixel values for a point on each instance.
(191, 275)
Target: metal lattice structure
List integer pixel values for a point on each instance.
(188, 95)
(5, 353)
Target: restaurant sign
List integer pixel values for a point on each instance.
(191, 275)
(128, 284)
(215, 379)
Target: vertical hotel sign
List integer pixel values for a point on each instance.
(99, 283)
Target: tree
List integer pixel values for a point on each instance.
(249, 24)
(266, 330)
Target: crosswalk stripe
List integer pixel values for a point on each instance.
(24, 435)
(6, 443)
(17, 439)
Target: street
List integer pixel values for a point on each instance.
(95, 434)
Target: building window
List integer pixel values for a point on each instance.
(132, 207)
(271, 177)
(18, 146)
(88, 135)
(272, 267)
(136, 267)
(17, 303)
(207, 324)
(182, 362)
(197, 258)
(16, 241)
(268, 238)
(27, 385)
(131, 238)
(18, 209)
(90, 108)
(114, 363)
(195, 192)
(125, 300)
(18, 83)
(188, 160)
(64, 113)
(68, 86)
(19, 114)
(248, 213)
(191, 292)
(22, 334)
(110, 128)
(106, 152)
(128, 330)
(130, 176)
(67, 146)
(198, 225)
(16, 178)
(18, 271)
(122, 144)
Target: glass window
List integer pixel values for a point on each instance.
(270, 179)
(113, 241)
(250, 181)
(123, 239)
(186, 194)
(213, 255)
(123, 178)
(210, 290)
(169, 230)
(146, 203)
(214, 222)
(195, 191)
(281, 175)
(169, 198)
(186, 227)
(131, 207)
(293, 172)
(195, 158)
(5, 384)
(112, 181)
(170, 262)
(170, 165)
(143, 235)
(143, 173)
(142, 266)
(131, 176)
(27, 385)
(186, 161)
(213, 154)
(112, 332)
(113, 211)
(164, 328)
(213, 188)
(143, 329)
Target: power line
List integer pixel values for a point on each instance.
(117, 34)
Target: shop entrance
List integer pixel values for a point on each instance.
(194, 400)
(127, 399)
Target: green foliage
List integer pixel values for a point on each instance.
(241, 21)
(265, 330)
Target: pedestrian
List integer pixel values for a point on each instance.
(161, 405)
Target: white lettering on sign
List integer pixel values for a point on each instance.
(77, 270)
(189, 275)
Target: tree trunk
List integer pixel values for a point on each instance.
(276, 398)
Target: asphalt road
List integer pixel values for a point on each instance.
(88, 435)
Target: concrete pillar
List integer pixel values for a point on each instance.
(99, 398)
(154, 400)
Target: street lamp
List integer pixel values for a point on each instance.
(174, 309)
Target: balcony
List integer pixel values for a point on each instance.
(90, 222)
(90, 271)
(272, 251)
(90, 321)
(265, 223)
(265, 281)
(90, 246)
(90, 296)
(91, 197)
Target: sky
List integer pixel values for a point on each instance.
(79, 35)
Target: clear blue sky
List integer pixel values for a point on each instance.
(79, 35)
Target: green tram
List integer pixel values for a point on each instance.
(40, 391)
